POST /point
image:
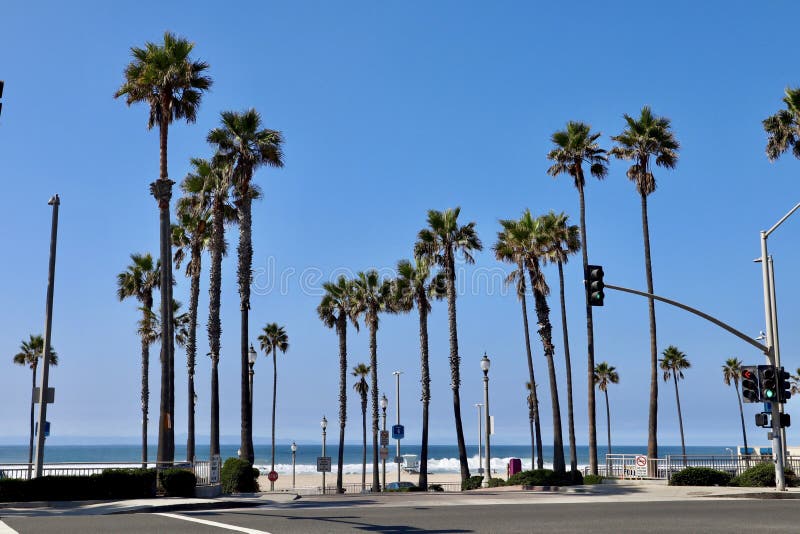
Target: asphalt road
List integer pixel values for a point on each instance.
(310, 517)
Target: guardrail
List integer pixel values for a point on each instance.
(624, 466)
(25, 471)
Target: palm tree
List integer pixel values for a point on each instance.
(575, 146)
(338, 304)
(535, 236)
(150, 325)
(783, 128)
(732, 372)
(439, 244)
(164, 77)
(795, 382)
(416, 286)
(373, 296)
(190, 237)
(648, 137)
(563, 241)
(362, 388)
(30, 353)
(604, 375)
(138, 281)
(673, 363)
(214, 179)
(511, 247)
(274, 339)
(246, 146)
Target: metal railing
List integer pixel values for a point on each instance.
(25, 471)
(624, 466)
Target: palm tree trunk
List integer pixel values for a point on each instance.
(274, 400)
(455, 363)
(426, 390)
(191, 351)
(608, 422)
(373, 362)
(341, 329)
(148, 306)
(573, 453)
(244, 275)
(214, 327)
(652, 424)
(364, 440)
(680, 416)
(537, 433)
(589, 340)
(33, 409)
(545, 333)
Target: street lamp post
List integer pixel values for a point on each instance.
(485, 363)
(397, 389)
(294, 453)
(324, 425)
(251, 361)
(479, 406)
(384, 405)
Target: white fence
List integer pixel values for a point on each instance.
(625, 466)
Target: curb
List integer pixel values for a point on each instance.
(224, 505)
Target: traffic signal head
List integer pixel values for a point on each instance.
(767, 379)
(595, 285)
(750, 383)
(762, 420)
(786, 420)
(784, 389)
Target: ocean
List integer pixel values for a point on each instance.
(441, 458)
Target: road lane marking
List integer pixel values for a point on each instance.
(5, 529)
(202, 522)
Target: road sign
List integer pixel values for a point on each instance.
(384, 438)
(398, 459)
(46, 429)
(323, 464)
(398, 432)
(384, 453)
(50, 395)
(641, 465)
(273, 476)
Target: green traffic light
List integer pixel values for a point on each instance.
(769, 393)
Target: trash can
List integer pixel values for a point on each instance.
(514, 466)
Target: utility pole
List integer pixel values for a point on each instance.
(48, 323)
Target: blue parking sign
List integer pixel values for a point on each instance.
(398, 432)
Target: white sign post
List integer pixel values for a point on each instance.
(641, 466)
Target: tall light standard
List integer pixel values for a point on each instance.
(324, 425)
(384, 405)
(397, 389)
(479, 406)
(485, 363)
(251, 360)
(294, 454)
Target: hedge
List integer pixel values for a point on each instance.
(238, 476)
(177, 482)
(473, 482)
(700, 476)
(545, 477)
(762, 475)
(110, 484)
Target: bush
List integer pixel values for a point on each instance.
(700, 476)
(545, 477)
(592, 479)
(496, 482)
(435, 487)
(762, 475)
(473, 482)
(576, 477)
(414, 488)
(110, 484)
(177, 482)
(238, 476)
(130, 483)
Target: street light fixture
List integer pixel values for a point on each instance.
(485, 364)
(324, 425)
(294, 453)
(384, 405)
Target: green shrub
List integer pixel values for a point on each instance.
(414, 488)
(576, 477)
(473, 482)
(592, 479)
(177, 482)
(544, 477)
(129, 483)
(238, 476)
(700, 476)
(762, 475)
(110, 484)
(435, 487)
(496, 482)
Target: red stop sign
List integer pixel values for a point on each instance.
(273, 476)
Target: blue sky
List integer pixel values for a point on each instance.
(390, 109)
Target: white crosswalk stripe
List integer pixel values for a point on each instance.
(203, 522)
(5, 529)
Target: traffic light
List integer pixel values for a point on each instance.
(762, 420)
(750, 383)
(594, 277)
(784, 391)
(786, 421)
(768, 382)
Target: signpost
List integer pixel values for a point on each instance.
(398, 432)
(273, 476)
(398, 460)
(323, 464)
(384, 452)
(641, 466)
(384, 438)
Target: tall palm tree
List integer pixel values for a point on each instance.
(438, 244)
(190, 237)
(511, 247)
(563, 240)
(673, 363)
(172, 84)
(575, 146)
(373, 295)
(783, 128)
(646, 139)
(29, 354)
(339, 304)
(246, 146)
(139, 280)
(215, 179)
(535, 235)
(732, 372)
(415, 287)
(362, 388)
(274, 339)
(604, 375)
(150, 325)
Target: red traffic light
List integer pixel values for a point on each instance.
(748, 374)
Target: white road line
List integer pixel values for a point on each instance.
(201, 521)
(5, 529)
